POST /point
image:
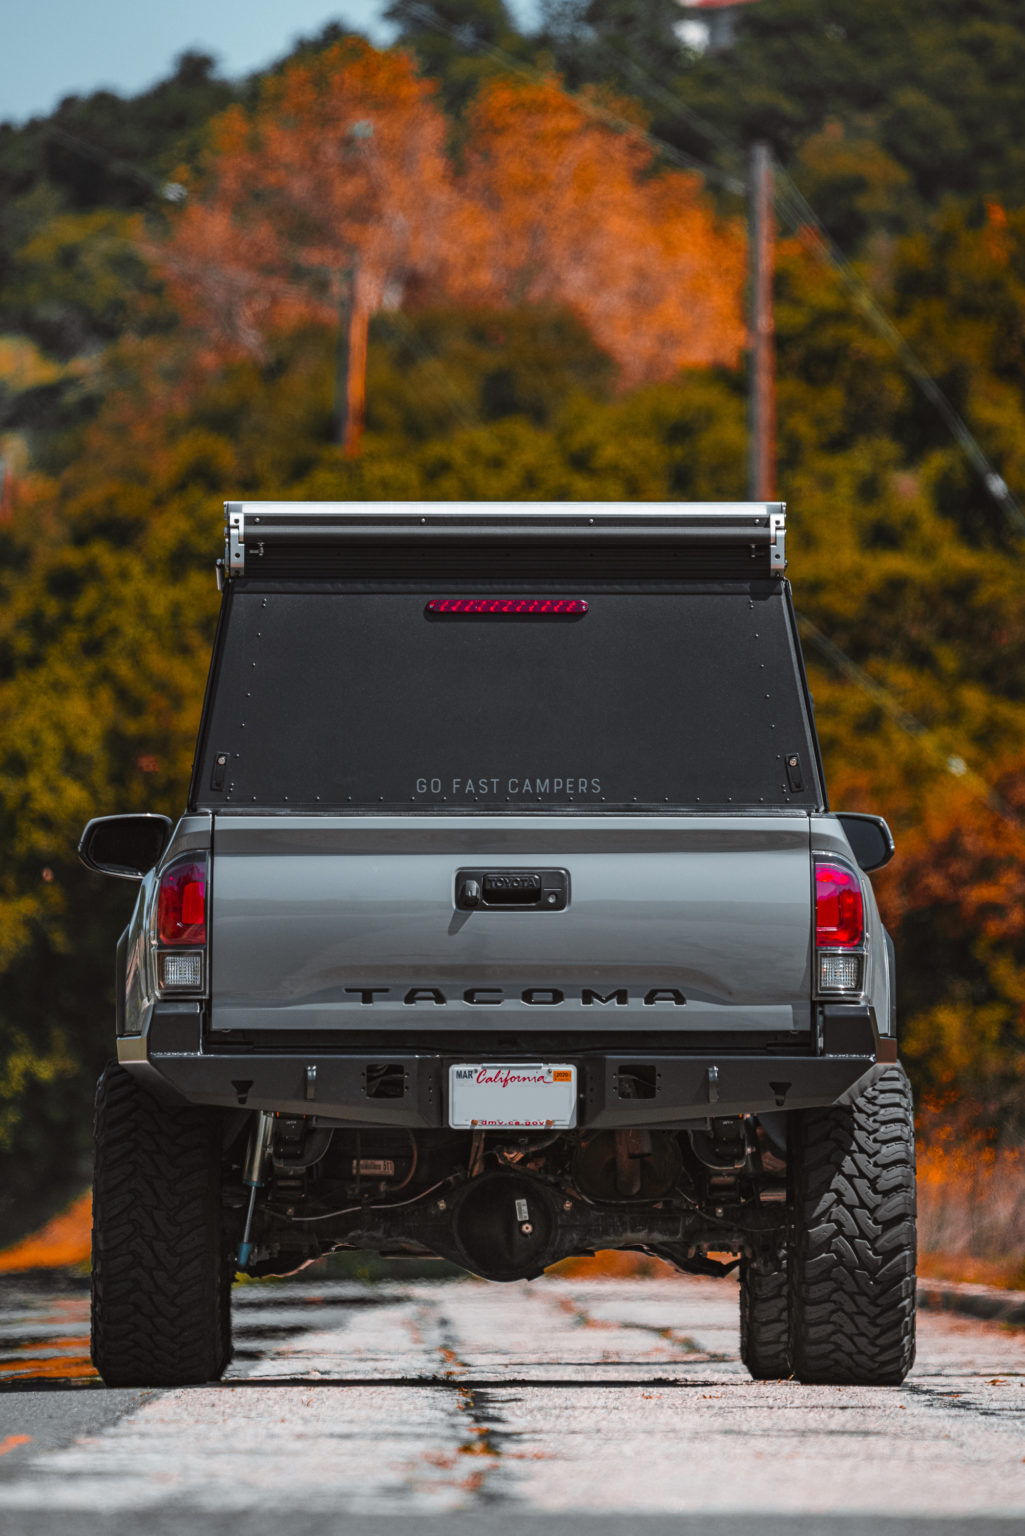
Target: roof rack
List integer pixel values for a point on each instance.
(728, 540)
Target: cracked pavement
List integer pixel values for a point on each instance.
(559, 1406)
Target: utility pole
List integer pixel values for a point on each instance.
(356, 379)
(762, 361)
(340, 415)
(350, 409)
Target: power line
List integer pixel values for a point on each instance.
(791, 200)
(587, 104)
(672, 102)
(175, 192)
(927, 739)
(168, 191)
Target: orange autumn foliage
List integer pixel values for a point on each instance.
(63, 1242)
(970, 857)
(333, 191)
(954, 901)
(613, 1264)
(340, 165)
(971, 1196)
(336, 190)
(561, 208)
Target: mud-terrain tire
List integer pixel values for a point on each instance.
(765, 1320)
(852, 1263)
(162, 1274)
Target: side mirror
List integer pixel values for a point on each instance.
(127, 846)
(870, 838)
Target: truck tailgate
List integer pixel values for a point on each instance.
(691, 923)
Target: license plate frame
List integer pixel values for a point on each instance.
(512, 1096)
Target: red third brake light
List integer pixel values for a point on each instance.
(499, 607)
(181, 904)
(839, 911)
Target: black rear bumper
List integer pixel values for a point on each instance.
(647, 1089)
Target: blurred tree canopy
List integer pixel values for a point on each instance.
(573, 332)
(335, 193)
(936, 86)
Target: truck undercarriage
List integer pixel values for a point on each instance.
(506, 1207)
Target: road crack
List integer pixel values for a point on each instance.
(681, 1341)
(478, 1459)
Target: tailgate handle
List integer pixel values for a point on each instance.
(512, 890)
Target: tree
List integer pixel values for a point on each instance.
(80, 282)
(563, 206)
(459, 43)
(331, 194)
(939, 86)
(336, 189)
(622, 43)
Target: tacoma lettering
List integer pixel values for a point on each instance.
(366, 994)
(534, 997)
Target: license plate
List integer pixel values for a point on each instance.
(497, 1097)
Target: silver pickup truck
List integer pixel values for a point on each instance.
(507, 921)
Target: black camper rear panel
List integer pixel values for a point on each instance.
(327, 696)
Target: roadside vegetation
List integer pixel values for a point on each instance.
(460, 269)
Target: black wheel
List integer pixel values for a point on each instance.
(765, 1319)
(852, 1264)
(162, 1274)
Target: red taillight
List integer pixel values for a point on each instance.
(839, 911)
(505, 607)
(181, 904)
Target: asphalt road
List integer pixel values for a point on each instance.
(612, 1408)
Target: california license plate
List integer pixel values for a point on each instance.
(496, 1097)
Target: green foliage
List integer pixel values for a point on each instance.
(100, 154)
(79, 282)
(443, 367)
(614, 41)
(936, 89)
(856, 188)
(109, 151)
(460, 52)
(882, 111)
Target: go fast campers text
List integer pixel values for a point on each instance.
(481, 788)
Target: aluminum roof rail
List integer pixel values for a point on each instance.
(272, 533)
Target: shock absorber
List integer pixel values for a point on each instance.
(255, 1175)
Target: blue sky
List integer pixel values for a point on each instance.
(55, 48)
